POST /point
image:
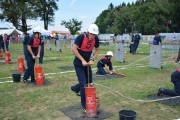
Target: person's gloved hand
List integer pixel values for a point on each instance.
(38, 56)
(84, 63)
(111, 72)
(91, 62)
(33, 56)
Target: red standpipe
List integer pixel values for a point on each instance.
(91, 111)
(7, 57)
(39, 75)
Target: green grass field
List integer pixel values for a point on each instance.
(20, 101)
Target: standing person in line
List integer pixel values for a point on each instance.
(82, 49)
(157, 39)
(34, 47)
(25, 41)
(131, 43)
(2, 43)
(56, 38)
(6, 40)
(57, 43)
(17, 39)
(175, 79)
(42, 37)
(48, 42)
(136, 42)
(178, 58)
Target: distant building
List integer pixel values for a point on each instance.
(61, 32)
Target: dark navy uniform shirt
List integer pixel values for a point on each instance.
(137, 38)
(156, 40)
(104, 61)
(175, 76)
(34, 43)
(26, 38)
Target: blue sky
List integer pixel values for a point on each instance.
(83, 10)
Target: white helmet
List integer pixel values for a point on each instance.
(93, 28)
(109, 53)
(35, 31)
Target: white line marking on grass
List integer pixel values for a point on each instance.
(6, 78)
(6, 82)
(59, 72)
(118, 67)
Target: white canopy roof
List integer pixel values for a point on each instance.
(11, 31)
(38, 28)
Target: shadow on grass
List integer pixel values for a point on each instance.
(171, 102)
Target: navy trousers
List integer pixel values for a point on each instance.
(25, 51)
(2, 46)
(41, 54)
(30, 69)
(174, 92)
(101, 70)
(7, 45)
(82, 74)
(136, 44)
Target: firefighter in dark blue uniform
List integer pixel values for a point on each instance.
(82, 49)
(131, 43)
(157, 39)
(42, 37)
(104, 65)
(178, 57)
(175, 79)
(34, 48)
(2, 43)
(25, 41)
(136, 42)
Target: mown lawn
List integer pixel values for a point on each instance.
(20, 101)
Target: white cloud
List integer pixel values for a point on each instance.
(72, 3)
(84, 17)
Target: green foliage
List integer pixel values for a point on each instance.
(148, 16)
(73, 25)
(45, 10)
(18, 11)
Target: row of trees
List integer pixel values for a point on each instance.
(145, 16)
(18, 12)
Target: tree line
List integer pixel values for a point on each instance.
(18, 12)
(144, 16)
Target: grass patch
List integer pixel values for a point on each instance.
(25, 102)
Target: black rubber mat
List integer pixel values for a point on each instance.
(170, 102)
(66, 67)
(76, 113)
(106, 77)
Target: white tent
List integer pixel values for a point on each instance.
(43, 31)
(11, 31)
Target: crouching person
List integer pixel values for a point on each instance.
(175, 79)
(104, 65)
